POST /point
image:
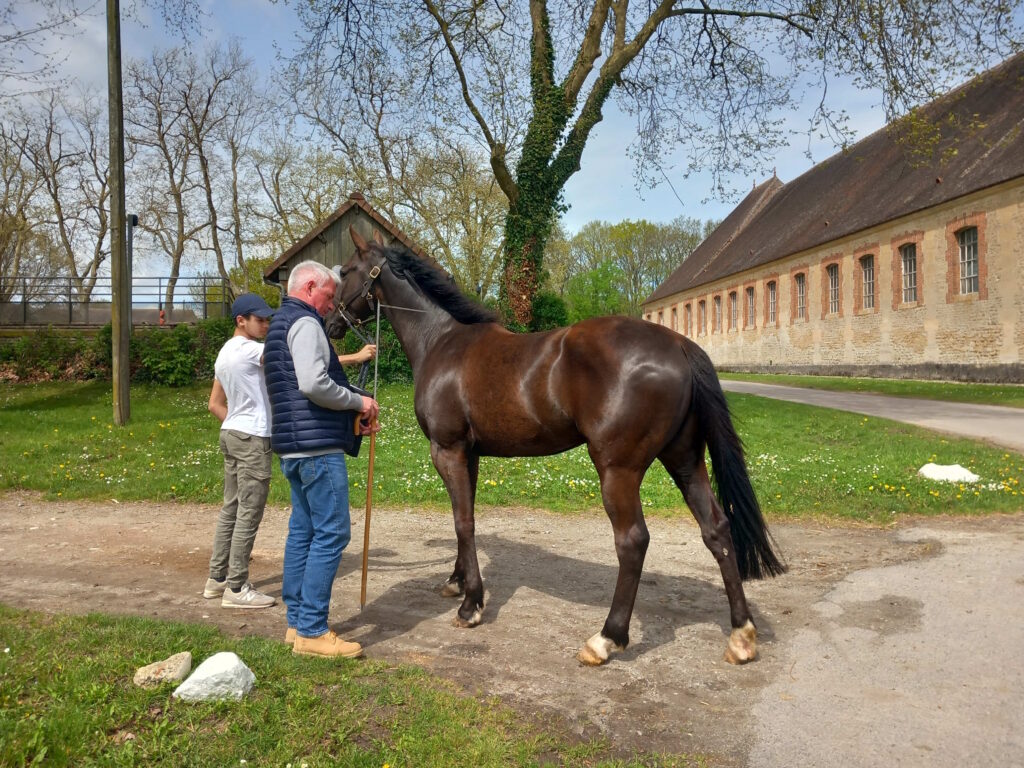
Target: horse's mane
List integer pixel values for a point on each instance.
(438, 285)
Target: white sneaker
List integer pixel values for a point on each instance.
(214, 588)
(246, 597)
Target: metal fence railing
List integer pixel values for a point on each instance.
(30, 300)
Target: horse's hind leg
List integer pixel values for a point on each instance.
(458, 469)
(715, 530)
(620, 491)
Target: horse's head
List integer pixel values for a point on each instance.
(358, 295)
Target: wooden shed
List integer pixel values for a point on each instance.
(330, 243)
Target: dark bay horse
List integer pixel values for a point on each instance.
(630, 390)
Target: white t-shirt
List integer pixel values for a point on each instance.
(239, 371)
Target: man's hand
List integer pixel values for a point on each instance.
(364, 355)
(368, 423)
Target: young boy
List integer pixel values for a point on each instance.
(239, 400)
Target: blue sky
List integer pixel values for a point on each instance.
(604, 189)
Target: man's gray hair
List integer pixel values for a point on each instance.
(312, 270)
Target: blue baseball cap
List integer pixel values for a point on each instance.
(251, 304)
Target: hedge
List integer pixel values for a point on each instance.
(172, 355)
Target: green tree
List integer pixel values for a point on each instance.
(549, 311)
(529, 81)
(643, 254)
(596, 292)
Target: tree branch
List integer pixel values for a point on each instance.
(498, 164)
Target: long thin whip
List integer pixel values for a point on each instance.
(369, 477)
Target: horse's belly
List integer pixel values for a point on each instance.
(519, 442)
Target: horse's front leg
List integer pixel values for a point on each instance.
(458, 469)
(620, 491)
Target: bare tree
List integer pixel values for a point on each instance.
(18, 187)
(165, 169)
(302, 186)
(453, 208)
(528, 81)
(430, 181)
(67, 148)
(224, 109)
(30, 35)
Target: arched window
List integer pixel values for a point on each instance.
(801, 295)
(967, 239)
(832, 270)
(908, 261)
(867, 281)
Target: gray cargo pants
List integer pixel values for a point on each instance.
(246, 484)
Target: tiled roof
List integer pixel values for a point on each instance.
(980, 144)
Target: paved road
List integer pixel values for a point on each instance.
(992, 423)
(907, 664)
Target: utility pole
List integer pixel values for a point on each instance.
(121, 290)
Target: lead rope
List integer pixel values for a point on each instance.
(369, 477)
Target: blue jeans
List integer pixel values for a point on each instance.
(318, 530)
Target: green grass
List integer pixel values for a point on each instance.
(1011, 395)
(58, 438)
(67, 699)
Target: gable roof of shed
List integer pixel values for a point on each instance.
(355, 200)
(981, 143)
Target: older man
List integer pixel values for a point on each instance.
(313, 421)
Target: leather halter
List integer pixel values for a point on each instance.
(366, 294)
(354, 324)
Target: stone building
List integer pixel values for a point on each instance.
(901, 256)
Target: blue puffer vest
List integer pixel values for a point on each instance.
(298, 425)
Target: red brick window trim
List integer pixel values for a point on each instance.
(688, 319)
(749, 306)
(716, 318)
(832, 286)
(734, 309)
(973, 225)
(865, 280)
(907, 252)
(798, 276)
(771, 301)
(702, 318)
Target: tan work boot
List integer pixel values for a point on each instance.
(328, 644)
(289, 636)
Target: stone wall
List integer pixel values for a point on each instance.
(944, 333)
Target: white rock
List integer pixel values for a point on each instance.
(222, 676)
(173, 669)
(947, 473)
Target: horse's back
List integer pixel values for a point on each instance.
(625, 377)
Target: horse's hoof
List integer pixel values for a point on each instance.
(452, 588)
(742, 644)
(596, 650)
(472, 621)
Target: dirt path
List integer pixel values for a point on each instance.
(879, 647)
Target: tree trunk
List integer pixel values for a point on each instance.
(526, 232)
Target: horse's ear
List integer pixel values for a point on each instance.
(378, 238)
(357, 240)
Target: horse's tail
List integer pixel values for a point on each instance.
(751, 540)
